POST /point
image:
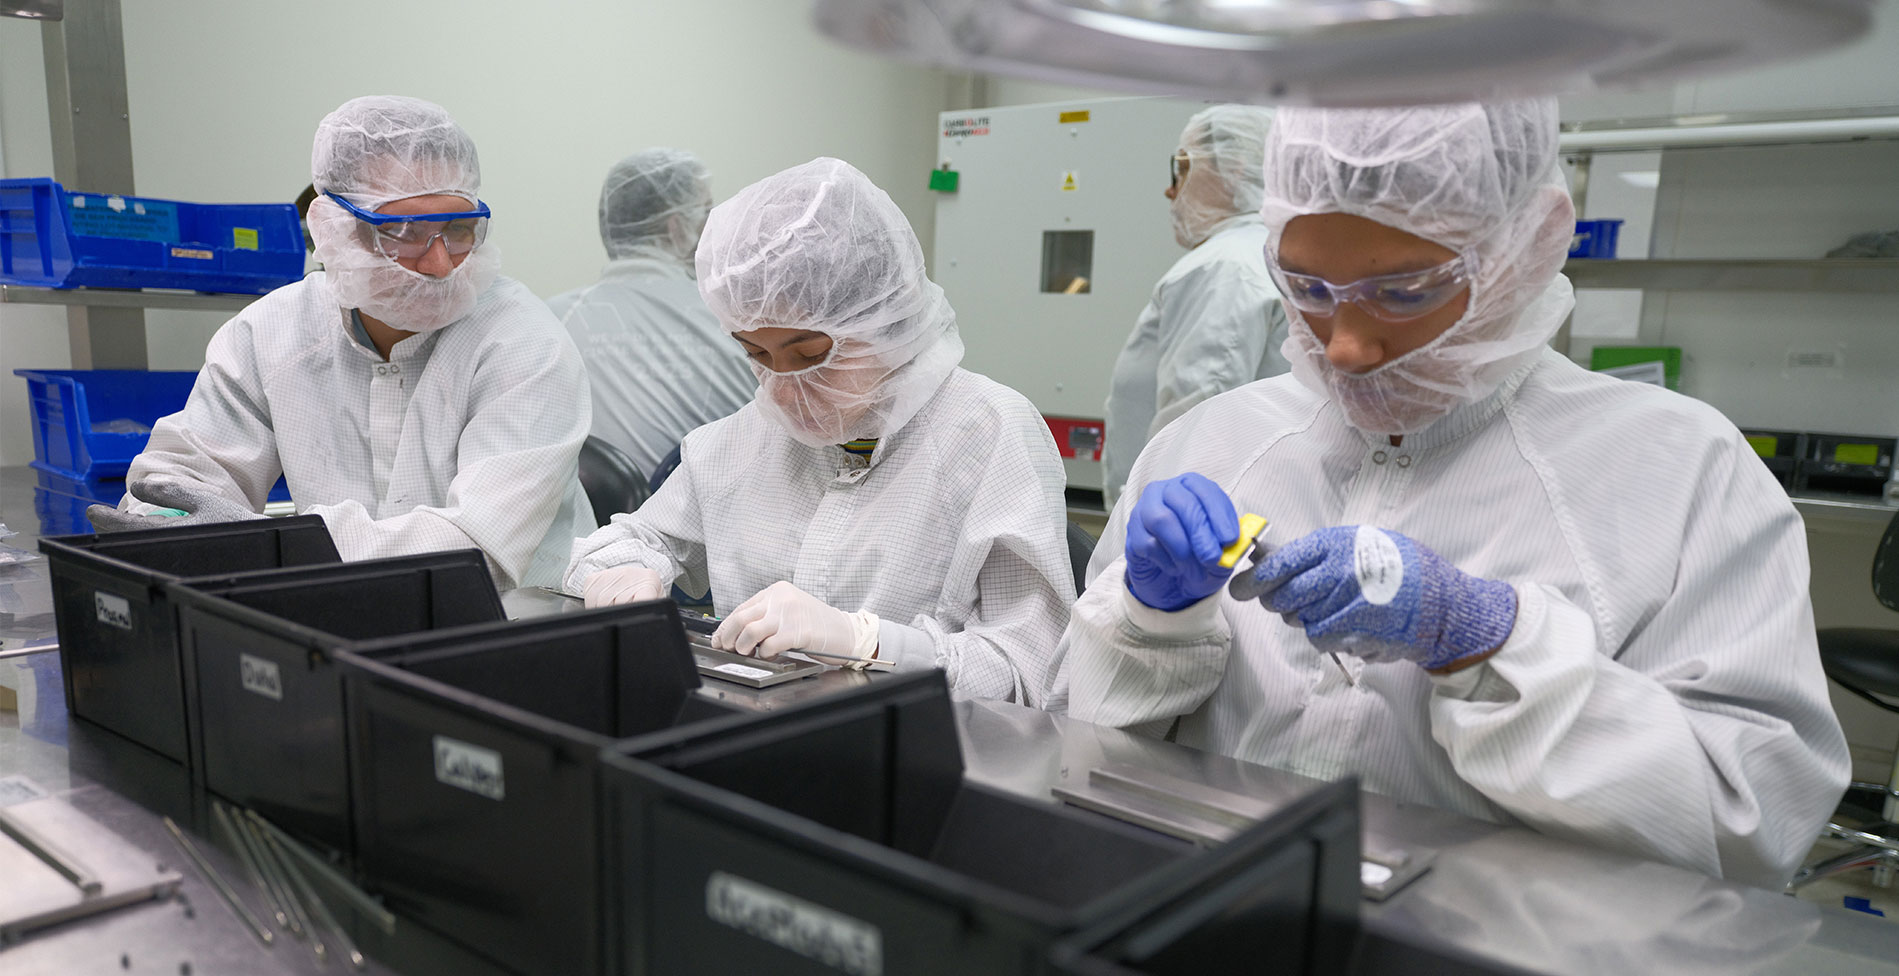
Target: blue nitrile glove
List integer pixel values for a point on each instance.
(195, 505)
(1382, 596)
(1175, 535)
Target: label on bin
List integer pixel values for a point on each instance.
(468, 767)
(244, 238)
(154, 221)
(113, 611)
(813, 931)
(260, 677)
(194, 253)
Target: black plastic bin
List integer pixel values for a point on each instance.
(1280, 900)
(263, 696)
(474, 761)
(840, 836)
(118, 638)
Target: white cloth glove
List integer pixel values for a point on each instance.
(623, 584)
(782, 618)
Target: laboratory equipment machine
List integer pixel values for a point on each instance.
(1051, 243)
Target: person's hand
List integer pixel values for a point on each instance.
(1175, 536)
(782, 618)
(190, 504)
(623, 584)
(1384, 597)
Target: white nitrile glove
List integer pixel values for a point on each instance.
(782, 618)
(623, 584)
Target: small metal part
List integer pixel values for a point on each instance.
(1244, 585)
(217, 881)
(320, 911)
(40, 846)
(377, 915)
(241, 847)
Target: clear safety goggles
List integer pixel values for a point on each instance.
(1399, 297)
(409, 236)
(1177, 165)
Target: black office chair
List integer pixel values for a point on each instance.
(612, 482)
(1865, 661)
(666, 466)
(1081, 547)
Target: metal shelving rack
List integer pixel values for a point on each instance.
(1580, 142)
(1741, 274)
(108, 298)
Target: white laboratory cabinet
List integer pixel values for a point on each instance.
(1050, 244)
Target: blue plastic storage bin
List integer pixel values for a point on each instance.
(75, 411)
(1594, 239)
(51, 237)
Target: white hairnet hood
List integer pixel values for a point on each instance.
(820, 247)
(654, 204)
(1224, 145)
(375, 150)
(1480, 179)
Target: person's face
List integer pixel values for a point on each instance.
(1344, 248)
(436, 262)
(784, 350)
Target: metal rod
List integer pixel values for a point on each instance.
(1732, 134)
(241, 846)
(297, 911)
(40, 846)
(320, 911)
(287, 919)
(299, 922)
(217, 881)
(357, 898)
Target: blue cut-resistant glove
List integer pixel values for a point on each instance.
(1175, 535)
(189, 504)
(1382, 596)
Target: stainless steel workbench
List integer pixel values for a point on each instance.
(1498, 893)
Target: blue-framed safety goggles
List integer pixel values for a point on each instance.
(410, 236)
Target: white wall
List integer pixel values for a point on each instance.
(226, 93)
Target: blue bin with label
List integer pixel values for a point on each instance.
(1595, 238)
(51, 237)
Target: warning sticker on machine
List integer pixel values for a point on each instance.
(743, 671)
(1069, 181)
(813, 931)
(968, 125)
